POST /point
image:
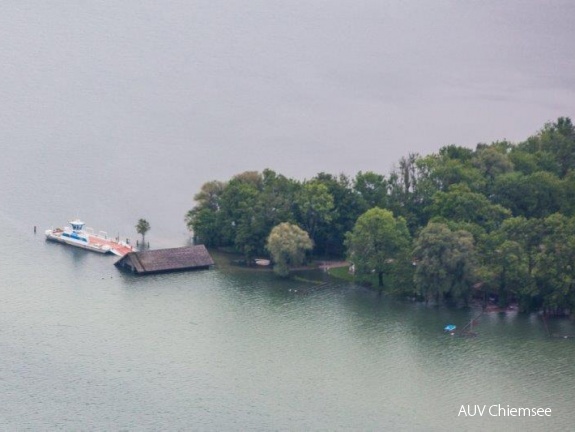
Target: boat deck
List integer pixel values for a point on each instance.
(117, 248)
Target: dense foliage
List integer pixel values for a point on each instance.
(287, 245)
(378, 240)
(497, 221)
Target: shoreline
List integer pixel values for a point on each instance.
(337, 269)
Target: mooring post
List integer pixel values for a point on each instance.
(34, 229)
(545, 323)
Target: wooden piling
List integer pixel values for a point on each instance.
(544, 317)
(468, 333)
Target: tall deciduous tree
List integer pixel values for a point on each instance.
(462, 205)
(505, 270)
(535, 195)
(446, 263)
(239, 218)
(371, 189)
(205, 219)
(377, 240)
(406, 197)
(554, 270)
(287, 245)
(329, 238)
(529, 233)
(315, 204)
(492, 160)
(559, 139)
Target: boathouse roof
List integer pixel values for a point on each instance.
(166, 260)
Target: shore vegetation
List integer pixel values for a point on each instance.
(288, 244)
(496, 222)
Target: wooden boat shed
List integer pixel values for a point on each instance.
(166, 260)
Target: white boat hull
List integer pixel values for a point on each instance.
(50, 235)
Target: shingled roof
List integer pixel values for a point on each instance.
(167, 260)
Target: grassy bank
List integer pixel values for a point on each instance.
(366, 280)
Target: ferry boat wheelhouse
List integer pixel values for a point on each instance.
(75, 235)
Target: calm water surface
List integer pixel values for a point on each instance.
(113, 111)
(85, 347)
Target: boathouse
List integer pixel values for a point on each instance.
(166, 260)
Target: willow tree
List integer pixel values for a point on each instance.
(287, 245)
(376, 242)
(446, 263)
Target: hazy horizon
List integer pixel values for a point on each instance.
(167, 96)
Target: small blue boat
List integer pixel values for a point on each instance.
(450, 328)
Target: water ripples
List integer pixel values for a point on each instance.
(229, 349)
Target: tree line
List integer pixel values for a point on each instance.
(497, 220)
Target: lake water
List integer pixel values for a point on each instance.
(114, 111)
(85, 347)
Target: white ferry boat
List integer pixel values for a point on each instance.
(75, 235)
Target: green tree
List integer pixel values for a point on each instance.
(371, 189)
(205, 219)
(408, 190)
(142, 227)
(239, 217)
(549, 254)
(445, 263)
(276, 199)
(554, 269)
(493, 160)
(241, 213)
(462, 205)
(529, 233)
(287, 245)
(329, 237)
(455, 152)
(210, 195)
(527, 163)
(204, 223)
(535, 195)
(376, 242)
(507, 273)
(568, 203)
(452, 171)
(559, 139)
(451, 166)
(315, 205)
